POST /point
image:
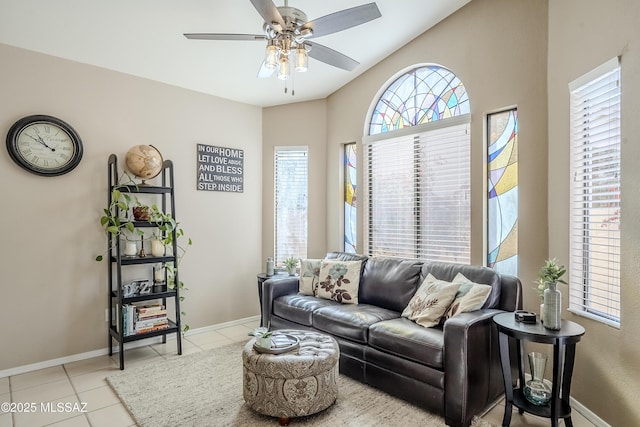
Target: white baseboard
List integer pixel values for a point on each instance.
(104, 351)
(585, 412)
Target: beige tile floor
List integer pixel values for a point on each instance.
(60, 392)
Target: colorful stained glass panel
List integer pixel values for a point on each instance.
(350, 211)
(424, 94)
(502, 205)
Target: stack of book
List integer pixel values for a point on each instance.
(139, 319)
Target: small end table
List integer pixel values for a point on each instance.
(564, 351)
(262, 277)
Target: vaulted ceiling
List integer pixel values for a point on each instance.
(145, 38)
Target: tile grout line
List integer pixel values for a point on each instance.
(75, 391)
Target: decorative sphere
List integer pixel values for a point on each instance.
(144, 161)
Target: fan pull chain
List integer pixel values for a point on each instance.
(293, 84)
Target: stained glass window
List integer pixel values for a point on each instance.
(350, 232)
(424, 94)
(417, 177)
(502, 206)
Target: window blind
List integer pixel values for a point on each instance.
(291, 189)
(417, 188)
(594, 288)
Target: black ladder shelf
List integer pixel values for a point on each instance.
(116, 262)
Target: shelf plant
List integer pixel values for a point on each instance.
(117, 226)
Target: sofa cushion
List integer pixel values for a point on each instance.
(477, 274)
(389, 282)
(430, 302)
(339, 281)
(471, 296)
(345, 256)
(350, 321)
(408, 340)
(299, 308)
(309, 276)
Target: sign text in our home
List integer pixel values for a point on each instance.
(220, 169)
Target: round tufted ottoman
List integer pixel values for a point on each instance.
(293, 384)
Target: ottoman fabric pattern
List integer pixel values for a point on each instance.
(297, 383)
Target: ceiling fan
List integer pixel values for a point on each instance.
(287, 33)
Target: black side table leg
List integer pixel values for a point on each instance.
(506, 374)
(567, 374)
(555, 387)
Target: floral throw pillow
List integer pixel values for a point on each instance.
(309, 276)
(339, 281)
(430, 302)
(471, 296)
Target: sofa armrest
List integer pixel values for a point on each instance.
(473, 377)
(272, 289)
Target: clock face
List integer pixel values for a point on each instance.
(44, 145)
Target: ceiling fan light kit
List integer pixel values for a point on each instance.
(287, 31)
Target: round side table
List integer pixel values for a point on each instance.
(564, 351)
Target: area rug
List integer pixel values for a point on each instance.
(205, 389)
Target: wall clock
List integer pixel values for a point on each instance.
(44, 145)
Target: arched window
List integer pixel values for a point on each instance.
(421, 95)
(417, 160)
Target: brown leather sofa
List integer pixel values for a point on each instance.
(452, 369)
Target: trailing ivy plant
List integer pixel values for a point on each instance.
(117, 226)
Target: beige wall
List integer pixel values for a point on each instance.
(498, 49)
(53, 294)
(298, 124)
(506, 53)
(582, 35)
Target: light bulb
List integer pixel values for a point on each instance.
(302, 60)
(271, 57)
(284, 70)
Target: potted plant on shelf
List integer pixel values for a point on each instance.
(549, 275)
(117, 227)
(290, 264)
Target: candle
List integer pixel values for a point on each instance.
(131, 249)
(158, 275)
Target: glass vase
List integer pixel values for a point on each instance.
(552, 307)
(536, 391)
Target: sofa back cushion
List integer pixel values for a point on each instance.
(389, 282)
(345, 256)
(477, 274)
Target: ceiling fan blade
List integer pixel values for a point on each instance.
(264, 72)
(343, 19)
(269, 12)
(222, 36)
(331, 57)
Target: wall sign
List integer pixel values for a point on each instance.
(220, 169)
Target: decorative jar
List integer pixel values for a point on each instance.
(536, 390)
(157, 248)
(552, 307)
(270, 269)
